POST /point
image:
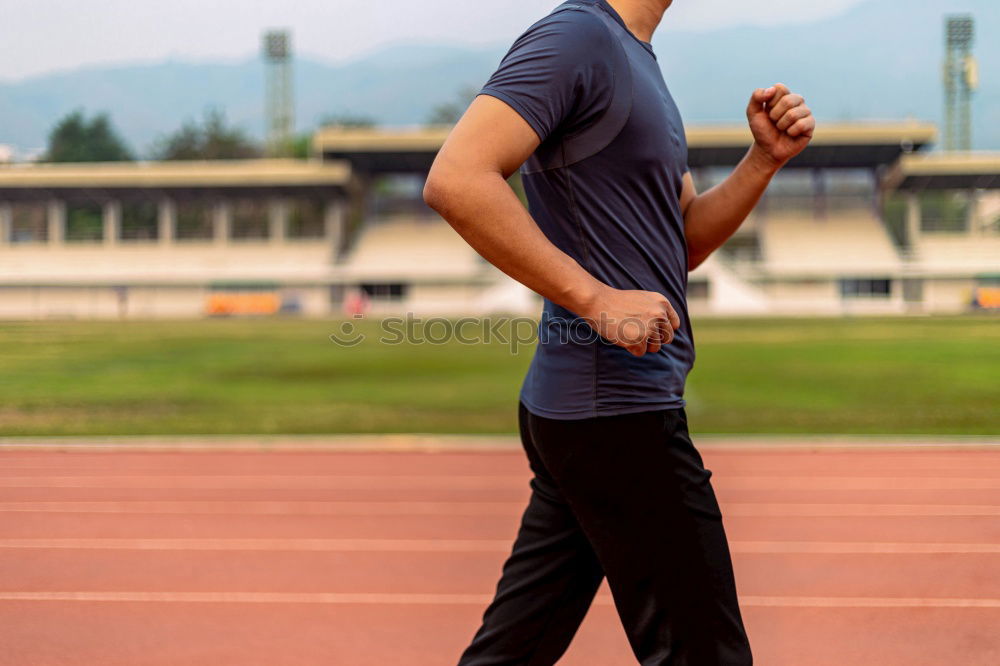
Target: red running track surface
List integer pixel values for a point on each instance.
(881, 556)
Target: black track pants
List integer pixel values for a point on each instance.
(627, 497)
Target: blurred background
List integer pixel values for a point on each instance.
(191, 195)
(258, 401)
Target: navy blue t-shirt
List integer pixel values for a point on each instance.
(604, 186)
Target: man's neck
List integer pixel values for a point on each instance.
(641, 16)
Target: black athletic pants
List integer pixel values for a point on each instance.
(626, 497)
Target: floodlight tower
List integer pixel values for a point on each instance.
(961, 78)
(277, 51)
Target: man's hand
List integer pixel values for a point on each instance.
(781, 123)
(639, 321)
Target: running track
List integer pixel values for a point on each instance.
(876, 556)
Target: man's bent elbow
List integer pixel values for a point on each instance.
(434, 191)
(443, 189)
(696, 260)
(448, 192)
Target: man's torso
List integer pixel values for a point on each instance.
(617, 212)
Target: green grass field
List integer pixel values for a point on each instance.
(905, 375)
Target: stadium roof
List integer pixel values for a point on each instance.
(27, 180)
(834, 145)
(375, 150)
(837, 145)
(938, 171)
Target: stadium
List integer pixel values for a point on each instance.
(866, 221)
(225, 440)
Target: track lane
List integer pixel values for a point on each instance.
(878, 556)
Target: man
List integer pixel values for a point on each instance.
(579, 105)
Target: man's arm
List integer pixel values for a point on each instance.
(467, 185)
(782, 126)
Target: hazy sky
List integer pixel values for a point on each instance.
(38, 36)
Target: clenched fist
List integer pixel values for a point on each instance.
(780, 121)
(639, 321)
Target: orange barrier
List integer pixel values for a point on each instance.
(242, 303)
(986, 297)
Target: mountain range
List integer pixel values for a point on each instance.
(881, 60)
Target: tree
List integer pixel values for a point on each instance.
(301, 146)
(349, 120)
(213, 139)
(76, 139)
(448, 113)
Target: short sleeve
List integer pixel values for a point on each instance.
(558, 75)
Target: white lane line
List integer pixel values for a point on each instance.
(475, 444)
(274, 481)
(255, 597)
(858, 510)
(860, 547)
(473, 508)
(267, 544)
(265, 508)
(821, 482)
(750, 462)
(463, 545)
(472, 482)
(388, 598)
(868, 602)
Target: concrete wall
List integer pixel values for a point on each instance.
(180, 262)
(138, 302)
(34, 302)
(947, 295)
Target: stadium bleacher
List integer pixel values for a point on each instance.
(407, 248)
(119, 240)
(957, 254)
(841, 243)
